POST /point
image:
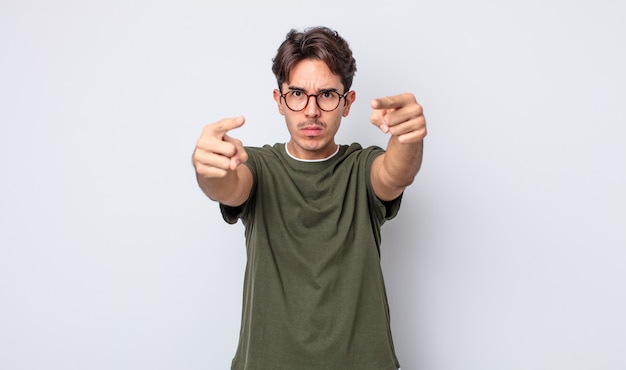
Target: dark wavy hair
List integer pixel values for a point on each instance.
(319, 43)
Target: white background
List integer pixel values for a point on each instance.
(508, 252)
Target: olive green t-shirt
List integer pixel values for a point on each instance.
(314, 296)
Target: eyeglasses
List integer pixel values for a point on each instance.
(326, 100)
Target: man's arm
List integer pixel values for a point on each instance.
(403, 118)
(218, 160)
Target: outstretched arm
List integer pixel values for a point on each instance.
(403, 118)
(217, 160)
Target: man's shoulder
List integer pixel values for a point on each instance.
(267, 149)
(357, 148)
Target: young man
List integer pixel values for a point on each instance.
(314, 296)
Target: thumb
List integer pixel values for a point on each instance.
(240, 155)
(378, 119)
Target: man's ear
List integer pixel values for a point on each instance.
(350, 98)
(277, 98)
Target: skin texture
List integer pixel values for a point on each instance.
(218, 157)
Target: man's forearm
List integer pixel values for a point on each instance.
(230, 190)
(402, 161)
(403, 118)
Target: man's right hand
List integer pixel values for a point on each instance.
(216, 153)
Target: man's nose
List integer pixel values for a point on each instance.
(312, 109)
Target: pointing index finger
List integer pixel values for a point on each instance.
(392, 102)
(225, 125)
(231, 123)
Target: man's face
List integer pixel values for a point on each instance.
(313, 130)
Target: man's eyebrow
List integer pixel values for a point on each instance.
(297, 88)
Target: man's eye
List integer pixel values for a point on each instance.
(296, 93)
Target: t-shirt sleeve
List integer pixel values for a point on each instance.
(231, 214)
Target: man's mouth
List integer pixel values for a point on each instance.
(312, 128)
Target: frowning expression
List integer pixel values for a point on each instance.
(312, 129)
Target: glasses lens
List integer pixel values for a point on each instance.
(296, 100)
(328, 100)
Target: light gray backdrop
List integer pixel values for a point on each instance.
(508, 252)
